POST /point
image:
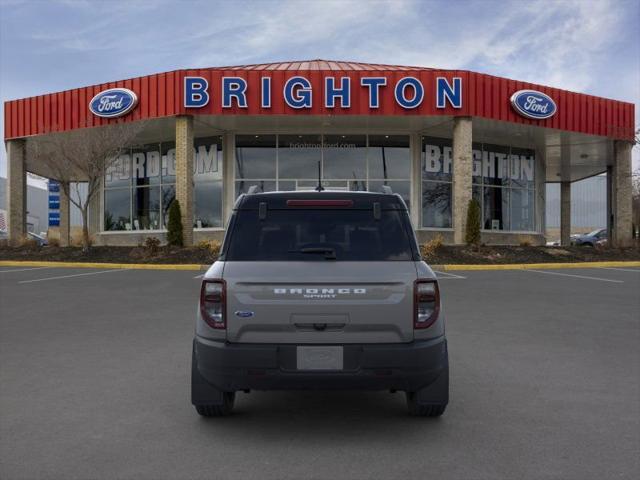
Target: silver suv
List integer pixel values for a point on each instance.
(320, 290)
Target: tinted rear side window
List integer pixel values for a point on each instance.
(309, 235)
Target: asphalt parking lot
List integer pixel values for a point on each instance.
(94, 384)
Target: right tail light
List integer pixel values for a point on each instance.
(426, 303)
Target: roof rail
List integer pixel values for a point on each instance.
(386, 189)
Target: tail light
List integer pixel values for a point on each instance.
(213, 303)
(426, 303)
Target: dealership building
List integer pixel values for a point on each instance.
(437, 137)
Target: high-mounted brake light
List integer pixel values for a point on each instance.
(426, 303)
(213, 303)
(319, 203)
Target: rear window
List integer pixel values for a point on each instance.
(320, 235)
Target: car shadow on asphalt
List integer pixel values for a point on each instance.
(351, 414)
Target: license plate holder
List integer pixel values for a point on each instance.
(320, 357)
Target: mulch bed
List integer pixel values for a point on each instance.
(445, 254)
(451, 255)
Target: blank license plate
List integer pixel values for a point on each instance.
(319, 358)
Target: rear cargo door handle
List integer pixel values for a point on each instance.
(320, 327)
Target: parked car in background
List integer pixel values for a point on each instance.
(590, 239)
(40, 239)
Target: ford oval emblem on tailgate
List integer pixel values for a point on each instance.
(244, 314)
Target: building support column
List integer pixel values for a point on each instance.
(184, 174)
(620, 234)
(16, 191)
(565, 214)
(462, 175)
(65, 215)
(228, 173)
(416, 179)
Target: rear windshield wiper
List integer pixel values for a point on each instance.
(329, 253)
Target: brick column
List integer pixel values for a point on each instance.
(16, 191)
(65, 215)
(462, 175)
(565, 213)
(620, 234)
(184, 174)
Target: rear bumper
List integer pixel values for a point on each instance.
(407, 366)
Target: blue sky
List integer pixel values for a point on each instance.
(583, 45)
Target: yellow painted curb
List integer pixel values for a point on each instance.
(133, 266)
(541, 266)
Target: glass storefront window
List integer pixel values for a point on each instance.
(298, 156)
(207, 160)
(168, 195)
(344, 156)
(522, 167)
(146, 165)
(255, 156)
(436, 204)
(495, 165)
(521, 211)
(207, 204)
(168, 162)
(389, 156)
(117, 209)
(497, 171)
(150, 171)
(118, 174)
(437, 163)
(348, 162)
(146, 208)
(496, 208)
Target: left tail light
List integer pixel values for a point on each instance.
(426, 303)
(213, 303)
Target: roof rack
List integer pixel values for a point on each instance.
(386, 189)
(252, 189)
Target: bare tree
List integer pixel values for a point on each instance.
(85, 156)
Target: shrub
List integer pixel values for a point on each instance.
(174, 227)
(524, 241)
(28, 243)
(472, 233)
(429, 248)
(54, 242)
(212, 246)
(152, 245)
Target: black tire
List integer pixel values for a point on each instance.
(421, 410)
(228, 399)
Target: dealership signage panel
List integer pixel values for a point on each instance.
(533, 104)
(113, 103)
(54, 203)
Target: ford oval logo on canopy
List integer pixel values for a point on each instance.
(533, 104)
(114, 102)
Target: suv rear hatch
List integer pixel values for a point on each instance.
(320, 271)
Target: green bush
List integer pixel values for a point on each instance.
(174, 227)
(472, 234)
